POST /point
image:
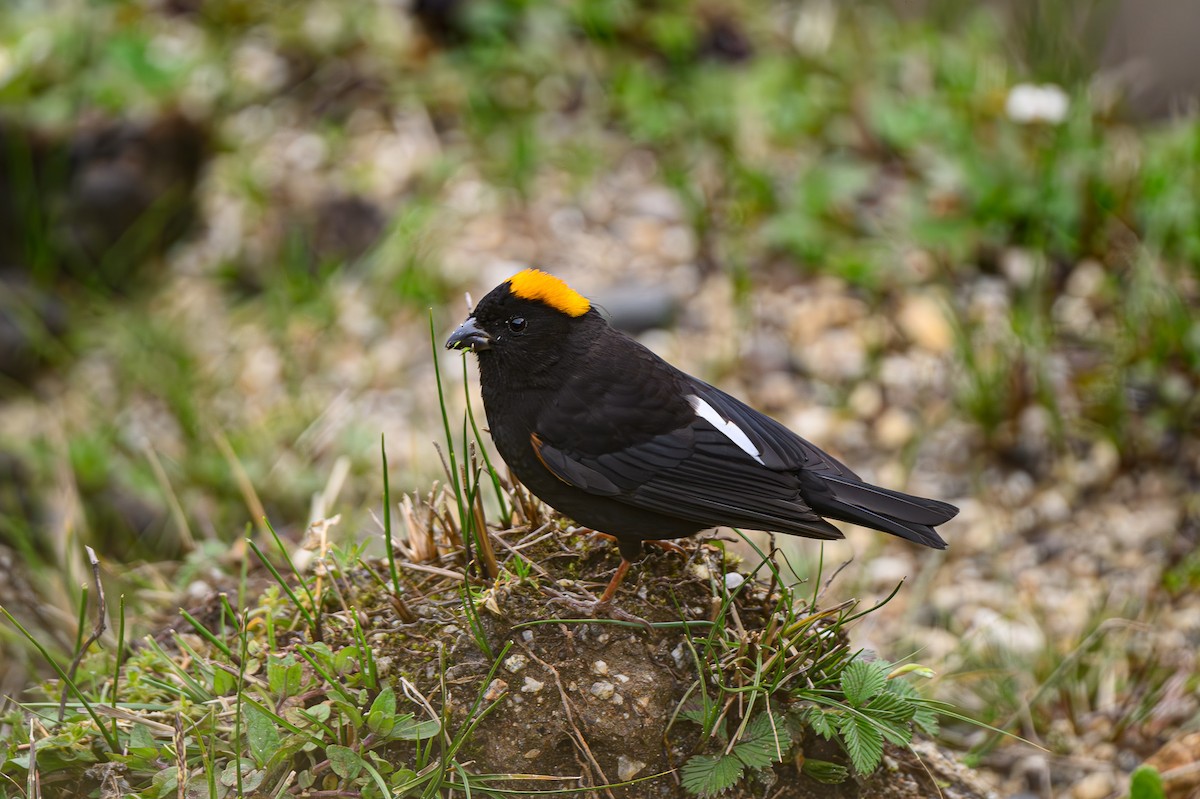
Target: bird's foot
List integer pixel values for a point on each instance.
(596, 608)
(667, 546)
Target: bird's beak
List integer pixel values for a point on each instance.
(469, 336)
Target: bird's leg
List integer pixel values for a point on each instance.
(615, 582)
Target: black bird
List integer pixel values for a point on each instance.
(611, 435)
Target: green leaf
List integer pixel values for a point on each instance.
(862, 680)
(822, 722)
(709, 775)
(409, 729)
(899, 734)
(762, 744)
(284, 675)
(824, 771)
(1145, 783)
(864, 742)
(890, 706)
(344, 761)
(381, 718)
(261, 733)
(223, 682)
(924, 716)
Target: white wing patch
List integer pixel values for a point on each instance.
(725, 427)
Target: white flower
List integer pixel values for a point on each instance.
(1028, 103)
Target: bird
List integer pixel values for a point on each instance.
(609, 434)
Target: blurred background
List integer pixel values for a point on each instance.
(958, 245)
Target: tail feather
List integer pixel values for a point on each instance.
(904, 515)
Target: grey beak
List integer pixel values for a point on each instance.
(469, 336)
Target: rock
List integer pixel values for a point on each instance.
(894, 429)
(514, 663)
(602, 689)
(1094, 786)
(628, 768)
(1179, 763)
(495, 690)
(922, 319)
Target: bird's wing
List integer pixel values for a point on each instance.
(718, 462)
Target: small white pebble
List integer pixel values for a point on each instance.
(603, 689)
(515, 663)
(527, 635)
(733, 580)
(532, 686)
(622, 678)
(628, 768)
(600, 668)
(617, 699)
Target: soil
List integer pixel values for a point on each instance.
(590, 700)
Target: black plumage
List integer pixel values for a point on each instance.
(611, 435)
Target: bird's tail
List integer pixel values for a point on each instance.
(851, 500)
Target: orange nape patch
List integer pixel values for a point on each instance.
(534, 284)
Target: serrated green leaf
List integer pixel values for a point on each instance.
(822, 722)
(899, 734)
(863, 741)
(862, 680)
(261, 733)
(925, 716)
(926, 720)
(765, 741)
(700, 710)
(824, 771)
(892, 707)
(344, 761)
(709, 775)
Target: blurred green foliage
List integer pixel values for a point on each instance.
(821, 138)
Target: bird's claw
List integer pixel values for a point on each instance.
(595, 608)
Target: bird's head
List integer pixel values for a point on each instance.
(525, 322)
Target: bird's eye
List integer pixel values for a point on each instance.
(517, 324)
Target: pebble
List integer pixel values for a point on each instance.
(1019, 266)
(600, 668)
(532, 686)
(515, 663)
(866, 400)
(628, 768)
(888, 570)
(922, 319)
(1093, 786)
(495, 690)
(603, 689)
(894, 428)
(680, 655)
(1085, 280)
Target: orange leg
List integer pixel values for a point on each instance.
(615, 582)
